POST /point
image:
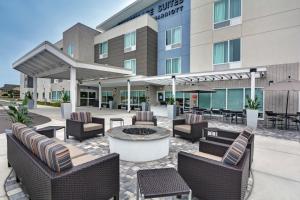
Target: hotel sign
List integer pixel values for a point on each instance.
(162, 10)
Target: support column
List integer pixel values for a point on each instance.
(174, 87)
(73, 88)
(252, 72)
(100, 96)
(128, 95)
(34, 92)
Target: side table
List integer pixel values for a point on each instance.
(116, 120)
(49, 131)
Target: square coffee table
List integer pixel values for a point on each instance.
(154, 183)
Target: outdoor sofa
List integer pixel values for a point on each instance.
(144, 118)
(191, 127)
(53, 170)
(82, 125)
(210, 177)
(227, 137)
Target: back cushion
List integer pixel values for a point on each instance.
(192, 118)
(84, 117)
(144, 115)
(54, 155)
(236, 151)
(16, 127)
(247, 132)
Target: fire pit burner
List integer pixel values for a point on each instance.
(139, 131)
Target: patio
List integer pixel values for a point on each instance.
(275, 167)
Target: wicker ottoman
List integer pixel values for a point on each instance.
(154, 183)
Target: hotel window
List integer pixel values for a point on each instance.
(227, 12)
(107, 96)
(173, 66)
(228, 51)
(103, 50)
(131, 65)
(130, 42)
(136, 97)
(70, 51)
(173, 38)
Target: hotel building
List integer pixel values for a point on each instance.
(153, 45)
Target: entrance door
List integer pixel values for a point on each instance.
(87, 97)
(84, 98)
(161, 97)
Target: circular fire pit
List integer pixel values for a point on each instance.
(139, 143)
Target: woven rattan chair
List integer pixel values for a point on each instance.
(211, 179)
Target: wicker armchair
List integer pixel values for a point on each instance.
(81, 130)
(192, 132)
(228, 137)
(211, 179)
(144, 118)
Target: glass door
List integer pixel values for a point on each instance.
(83, 98)
(161, 97)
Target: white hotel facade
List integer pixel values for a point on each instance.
(159, 48)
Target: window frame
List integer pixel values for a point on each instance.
(131, 47)
(233, 21)
(172, 73)
(70, 50)
(228, 52)
(133, 59)
(176, 45)
(101, 54)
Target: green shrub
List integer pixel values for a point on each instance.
(45, 103)
(19, 113)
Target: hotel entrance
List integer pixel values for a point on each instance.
(87, 97)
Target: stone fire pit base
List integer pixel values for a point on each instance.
(139, 148)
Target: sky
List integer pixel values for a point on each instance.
(24, 24)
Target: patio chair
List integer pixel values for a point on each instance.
(82, 125)
(190, 128)
(296, 120)
(273, 118)
(208, 174)
(144, 118)
(227, 115)
(227, 137)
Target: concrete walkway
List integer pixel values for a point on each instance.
(276, 166)
(276, 169)
(4, 170)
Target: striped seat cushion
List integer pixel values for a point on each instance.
(247, 132)
(236, 151)
(84, 117)
(192, 118)
(144, 116)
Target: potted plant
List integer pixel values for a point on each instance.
(252, 112)
(19, 113)
(171, 108)
(30, 101)
(65, 106)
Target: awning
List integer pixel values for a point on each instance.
(47, 61)
(191, 79)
